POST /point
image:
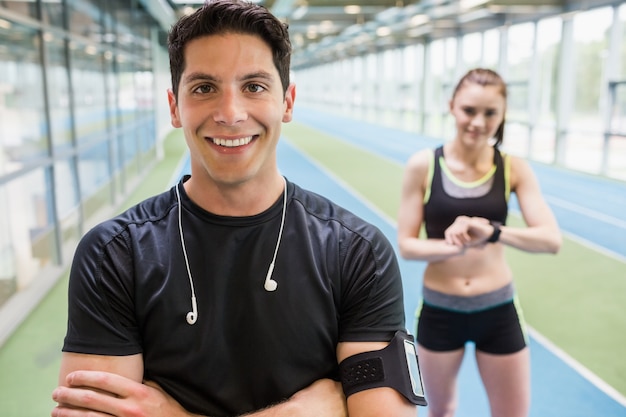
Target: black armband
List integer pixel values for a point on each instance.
(395, 366)
(496, 231)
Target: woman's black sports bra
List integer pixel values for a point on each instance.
(447, 197)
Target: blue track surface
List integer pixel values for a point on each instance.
(557, 389)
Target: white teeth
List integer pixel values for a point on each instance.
(231, 143)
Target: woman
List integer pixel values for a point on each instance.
(460, 193)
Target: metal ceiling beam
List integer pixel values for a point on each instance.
(161, 11)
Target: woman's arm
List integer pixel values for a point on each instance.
(542, 234)
(411, 215)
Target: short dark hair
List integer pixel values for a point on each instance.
(484, 77)
(218, 17)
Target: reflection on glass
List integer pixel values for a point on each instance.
(22, 123)
(58, 92)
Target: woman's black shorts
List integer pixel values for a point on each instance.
(497, 330)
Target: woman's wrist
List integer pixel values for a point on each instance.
(495, 236)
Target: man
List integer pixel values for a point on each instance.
(236, 291)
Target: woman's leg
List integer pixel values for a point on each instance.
(439, 372)
(507, 381)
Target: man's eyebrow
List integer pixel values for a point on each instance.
(259, 74)
(199, 76)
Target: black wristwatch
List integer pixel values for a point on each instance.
(496, 231)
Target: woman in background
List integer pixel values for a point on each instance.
(460, 192)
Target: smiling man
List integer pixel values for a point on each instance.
(236, 291)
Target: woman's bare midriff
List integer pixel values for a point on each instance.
(478, 271)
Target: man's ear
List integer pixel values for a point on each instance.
(174, 116)
(290, 98)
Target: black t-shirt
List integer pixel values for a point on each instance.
(338, 280)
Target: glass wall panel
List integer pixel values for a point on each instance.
(8, 275)
(67, 197)
(491, 48)
(472, 50)
(419, 88)
(520, 51)
(23, 127)
(52, 13)
(31, 231)
(84, 18)
(25, 8)
(435, 97)
(543, 133)
(451, 72)
(58, 92)
(370, 86)
(583, 143)
(112, 79)
(450, 64)
(89, 92)
(93, 172)
(356, 86)
(621, 70)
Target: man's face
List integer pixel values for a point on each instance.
(231, 106)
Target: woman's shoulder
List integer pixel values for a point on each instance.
(519, 169)
(421, 159)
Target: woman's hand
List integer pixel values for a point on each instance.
(468, 232)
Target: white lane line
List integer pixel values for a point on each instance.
(613, 221)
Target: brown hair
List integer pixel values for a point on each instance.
(485, 77)
(218, 17)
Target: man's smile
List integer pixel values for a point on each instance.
(232, 143)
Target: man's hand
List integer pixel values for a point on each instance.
(323, 398)
(95, 393)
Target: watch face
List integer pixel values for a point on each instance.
(414, 371)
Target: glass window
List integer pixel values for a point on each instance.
(621, 73)
(543, 135)
(93, 169)
(450, 58)
(67, 200)
(25, 8)
(491, 48)
(23, 129)
(84, 18)
(517, 101)
(89, 92)
(472, 50)
(65, 186)
(52, 13)
(435, 90)
(8, 277)
(520, 51)
(591, 46)
(31, 231)
(58, 92)
(584, 139)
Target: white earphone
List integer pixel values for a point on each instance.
(269, 285)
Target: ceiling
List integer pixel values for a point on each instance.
(325, 30)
